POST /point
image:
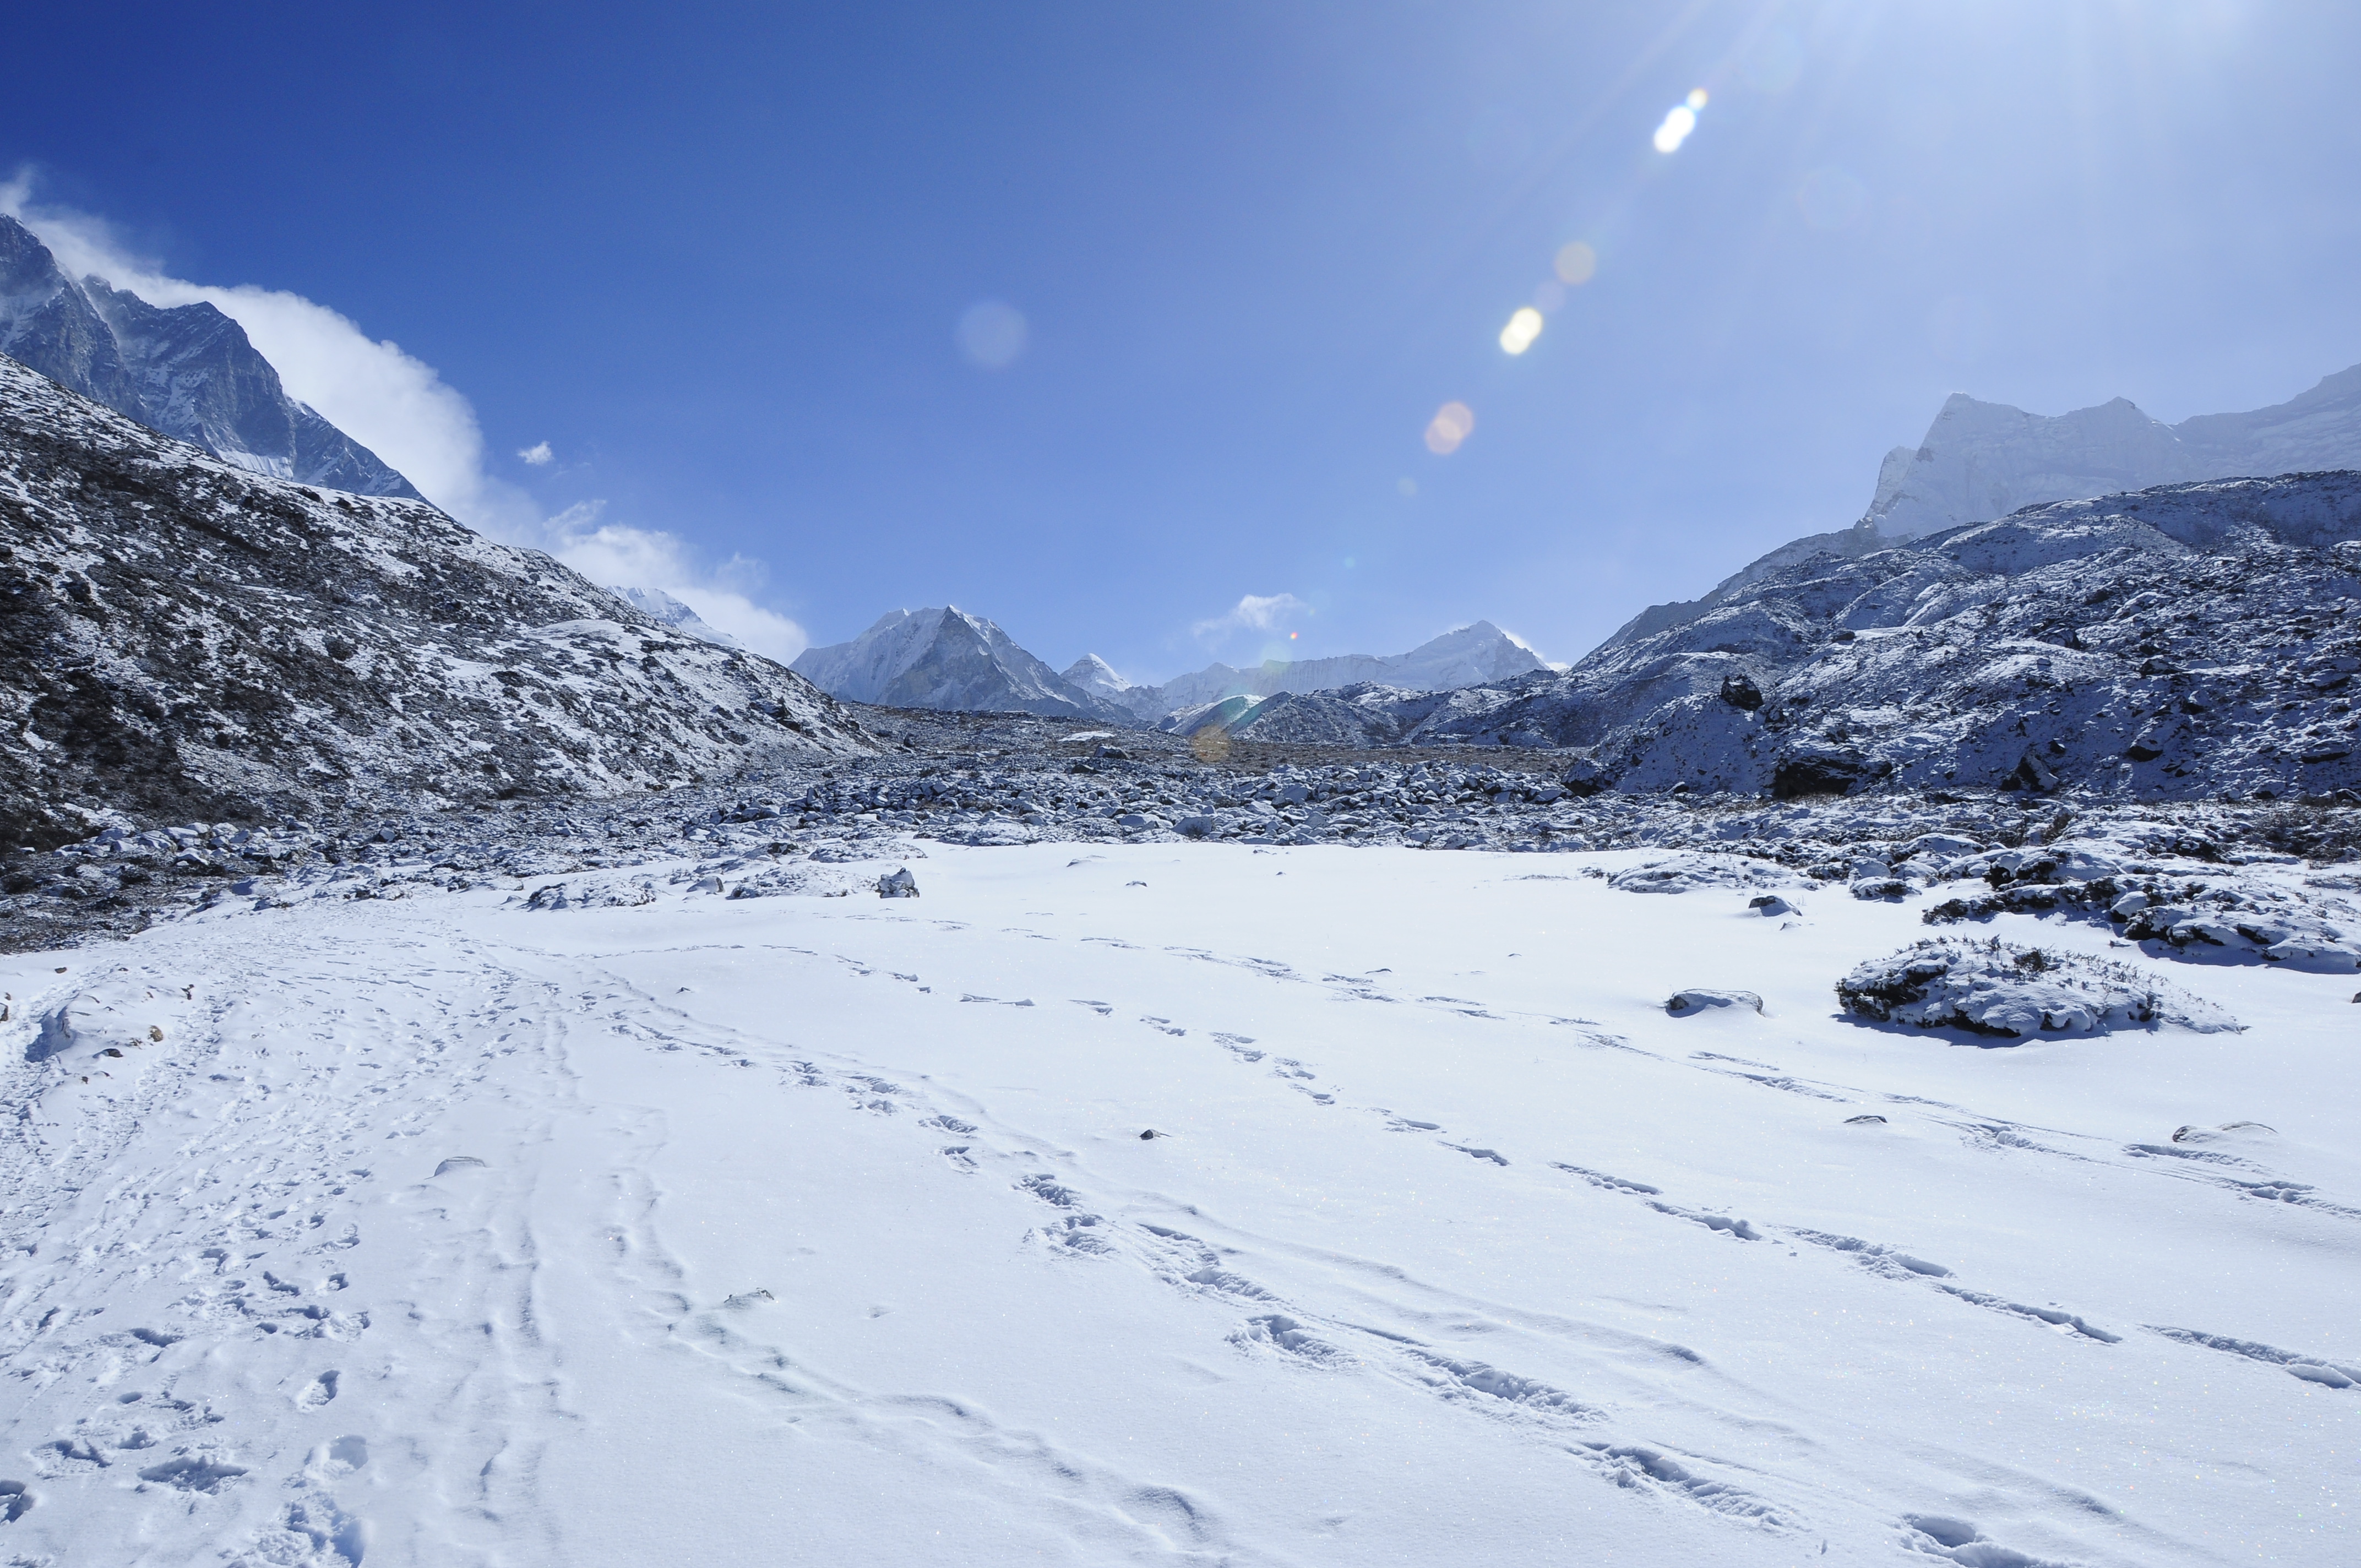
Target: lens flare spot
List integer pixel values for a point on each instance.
(1679, 121)
(1576, 264)
(1452, 423)
(1695, 99)
(992, 334)
(1211, 745)
(1523, 328)
(1406, 485)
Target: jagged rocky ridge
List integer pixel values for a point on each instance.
(2184, 641)
(188, 371)
(185, 641)
(1981, 461)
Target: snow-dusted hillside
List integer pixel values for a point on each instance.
(1981, 461)
(2180, 642)
(183, 640)
(188, 371)
(1168, 1203)
(945, 658)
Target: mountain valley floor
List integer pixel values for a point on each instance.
(572, 1191)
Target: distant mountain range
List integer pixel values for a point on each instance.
(945, 658)
(1465, 656)
(187, 372)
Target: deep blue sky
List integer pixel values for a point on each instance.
(715, 256)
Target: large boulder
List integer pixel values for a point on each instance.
(2004, 991)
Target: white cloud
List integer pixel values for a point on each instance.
(401, 409)
(1258, 612)
(619, 556)
(388, 401)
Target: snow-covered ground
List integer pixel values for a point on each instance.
(442, 1229)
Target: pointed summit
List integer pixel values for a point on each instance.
(1096, 676)
(945, 658)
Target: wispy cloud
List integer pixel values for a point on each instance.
(624, 556)
(1253, 612)
(400, 408)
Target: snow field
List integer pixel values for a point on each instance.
(822, 1229)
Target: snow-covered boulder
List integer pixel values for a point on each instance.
(1699, 999)
(2006, 991)
(1686, 873)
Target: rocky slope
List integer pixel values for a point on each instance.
(188, 371)
(945, 658)
(2186, 641)
(1979, 461)
(185, 641)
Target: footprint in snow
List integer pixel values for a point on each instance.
(456, 1162)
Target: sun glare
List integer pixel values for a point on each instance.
(1452, 423)
(1523, 328)
(1679, 121)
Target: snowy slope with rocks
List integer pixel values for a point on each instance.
(1981, 461)
(2189, 641)
(471, 1196)
(945, 658)
(189, 372)
(181, 640)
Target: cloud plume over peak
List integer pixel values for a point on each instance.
(399, 406)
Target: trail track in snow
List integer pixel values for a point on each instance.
(795, 1209)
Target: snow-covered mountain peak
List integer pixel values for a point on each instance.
(658, 605)
(1096, 675)
(942, 657)
(1981, 460)
(188, 371)
(1470, 655)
